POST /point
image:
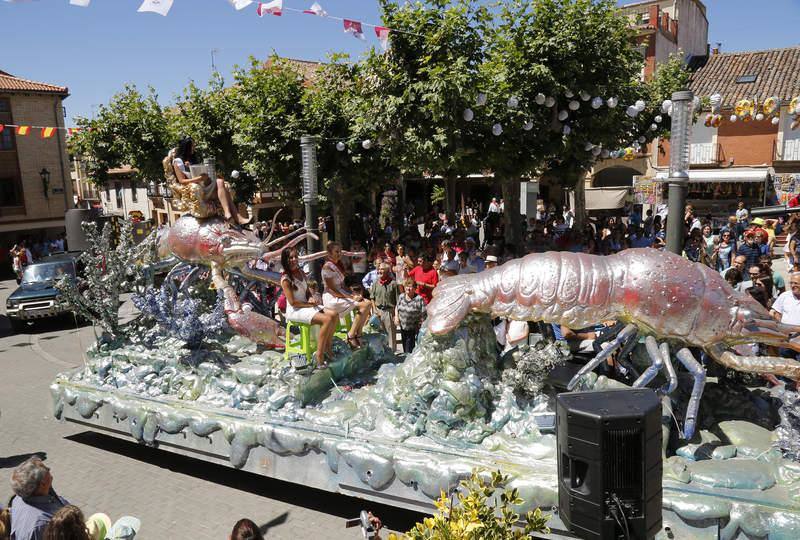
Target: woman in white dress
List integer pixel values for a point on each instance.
(340, 299)
(301, 308)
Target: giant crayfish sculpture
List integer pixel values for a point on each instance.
(658, 294)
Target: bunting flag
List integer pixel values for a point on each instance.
(80, 3)
(240, 4)
(23, 130)
(72, 131)
(354, 27)
(48, 132)
(161, 7)
(316, 9)
(275, 7)
(2, 127)
(383, 36)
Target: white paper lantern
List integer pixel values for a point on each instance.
(528, 126)
(340, 146)
(632, 111)
(640, 105)
(366, 144)
(612, 102)
(549, 101)
(540, 98)
(588, 147)
(584, 95)
(513, 102)
(468, 115)
(563, 115)
(666, 106)
(568, 94)
(574, 105)
(597, 102)
(596, 151)
(759, 117)
(604, 154)
(658, 119)
(653, 127)
(566, 130)
(481, 99)
(734, 118)
(234, 174)
(642, 139)
(497, 129)
(776, 121)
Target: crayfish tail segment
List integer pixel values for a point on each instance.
(775, 365)
(452, 301)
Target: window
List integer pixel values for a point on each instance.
(9, 192)
(745, 79)
(6, 137)
(134, 195)
(6, 142)
(5, 106)
(118, 190)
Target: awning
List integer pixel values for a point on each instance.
(722, 175)
(606, 198)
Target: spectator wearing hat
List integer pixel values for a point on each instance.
(491, 261)
(35, 501)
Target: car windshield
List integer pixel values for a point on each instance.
(37, 273)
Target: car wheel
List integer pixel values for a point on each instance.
(18, 325)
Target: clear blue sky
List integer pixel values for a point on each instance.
(96, 50)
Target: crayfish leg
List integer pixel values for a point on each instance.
(775, 365)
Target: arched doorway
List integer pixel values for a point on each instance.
(615, 177)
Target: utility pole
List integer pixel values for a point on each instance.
(682, 104)
(308, 149)
(213, 64)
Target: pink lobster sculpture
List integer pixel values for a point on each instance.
(658, 294)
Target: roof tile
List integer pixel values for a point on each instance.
(9, 83)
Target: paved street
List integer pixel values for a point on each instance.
(175, 497)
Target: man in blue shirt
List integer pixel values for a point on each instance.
(750, 250)
(34, 501)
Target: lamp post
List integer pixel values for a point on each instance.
(679, 168)
(308, 148)
(44, 174)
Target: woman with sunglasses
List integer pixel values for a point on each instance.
(725, 251)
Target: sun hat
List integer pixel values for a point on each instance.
(98, 525)
(125, 528)
(758, 221)
(491, 258)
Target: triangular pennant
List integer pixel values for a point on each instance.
(72, 131)
(354, 27)
(240, 4)
(48, 132)
(161, 7)
(275, 7)
(23, 130)
(383, 36)
(81, 3)
(316, 9)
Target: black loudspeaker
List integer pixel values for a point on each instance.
(609, 463)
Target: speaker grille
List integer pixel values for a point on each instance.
(624, 468)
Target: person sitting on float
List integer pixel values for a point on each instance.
(217, 190)
(338, 298)
(302, 307)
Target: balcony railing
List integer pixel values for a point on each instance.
(159, 190)
(791, 151)
(704, 154)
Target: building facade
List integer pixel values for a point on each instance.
(35, 183)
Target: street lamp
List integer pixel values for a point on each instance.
(308, 148)
(682, 104)
(44, 174)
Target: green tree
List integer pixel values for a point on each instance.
(266, 110)
(422, 85)
(133, 129)
(350, 169)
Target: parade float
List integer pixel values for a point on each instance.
(203, 372)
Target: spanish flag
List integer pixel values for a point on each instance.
(72, 131)
(23, 130)
(48, 132)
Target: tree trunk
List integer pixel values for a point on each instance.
(511, 216)
(450, 208)
(580, 202)
(342, 209)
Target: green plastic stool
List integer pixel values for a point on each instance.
(343, 327)
(305, 344)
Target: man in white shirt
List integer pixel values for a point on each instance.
(786, 308)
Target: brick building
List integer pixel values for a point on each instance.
(35, 185)
(757, 161)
